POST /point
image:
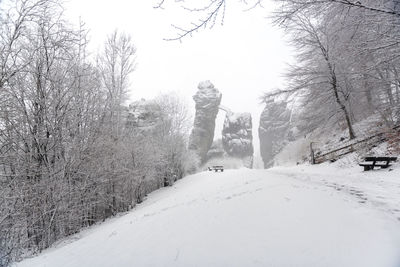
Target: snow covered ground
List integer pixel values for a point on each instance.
(286, 216)
(379, 189)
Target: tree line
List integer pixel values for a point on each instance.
(68, 155)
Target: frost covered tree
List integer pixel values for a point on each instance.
(35, 122)
(173, 136)
(67, 157)
(116, 63)
(320, 69)
(359, 43)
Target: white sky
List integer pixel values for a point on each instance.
(243, 58)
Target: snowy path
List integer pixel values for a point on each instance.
(239, 218)
(379, 188)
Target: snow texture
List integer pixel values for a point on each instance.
(297, 216)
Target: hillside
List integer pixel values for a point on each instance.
(293, 216)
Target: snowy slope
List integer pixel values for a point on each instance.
(379, 188)
(278, 217)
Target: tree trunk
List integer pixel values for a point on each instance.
(339, 101)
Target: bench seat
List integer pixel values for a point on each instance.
(370, 163)
(366, 163)
(216, 168)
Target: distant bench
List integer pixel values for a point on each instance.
(370, 163)
(216, 168)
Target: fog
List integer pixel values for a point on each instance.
(243, 58)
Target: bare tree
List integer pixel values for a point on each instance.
(319, 71)
(116, 64)
(176, 112)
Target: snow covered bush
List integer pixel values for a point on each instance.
(191, 162)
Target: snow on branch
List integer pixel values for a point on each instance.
(213, 10)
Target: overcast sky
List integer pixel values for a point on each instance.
(243, 58)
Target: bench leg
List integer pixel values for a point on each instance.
(386, 166)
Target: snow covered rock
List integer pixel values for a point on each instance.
(144, 114)
(216, 150)
(207, 99)
(237, 136)
(273, 130)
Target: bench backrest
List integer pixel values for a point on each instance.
(218, 167)
(380, 158)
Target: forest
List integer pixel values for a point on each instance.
(347, 61)
(69, 155)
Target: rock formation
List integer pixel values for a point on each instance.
(216, 150)
(144, 115)
(273, 130)
(207, 101)
(237, 137)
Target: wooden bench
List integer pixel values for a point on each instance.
(216, 168)
(370, 163)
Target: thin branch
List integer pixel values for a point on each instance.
(209, 20)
